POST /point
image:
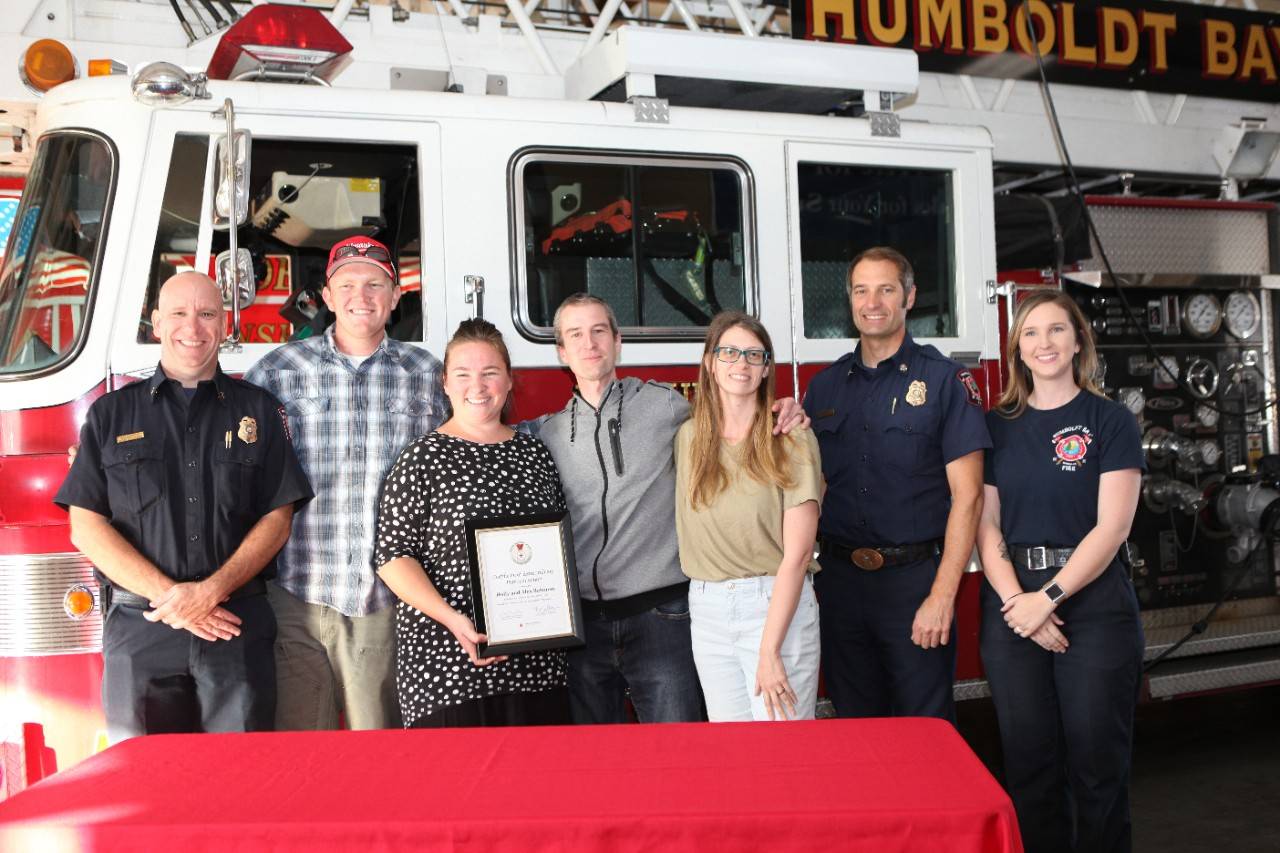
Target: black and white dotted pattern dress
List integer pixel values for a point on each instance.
(438, 483)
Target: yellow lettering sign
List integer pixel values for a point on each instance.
(886, 33)
(1257, 56)
(1119, 37)
(1073, 52)
(988, 30)
(841, 10)
(1159, 25)
(1219, 38)
(938, 25)
(1044, 27)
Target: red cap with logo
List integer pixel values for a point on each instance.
(360, 250)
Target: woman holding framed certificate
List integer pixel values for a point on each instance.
(746, 516)
(473, 466)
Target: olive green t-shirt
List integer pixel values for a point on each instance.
(740, 534)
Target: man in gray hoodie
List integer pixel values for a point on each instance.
(613, 445)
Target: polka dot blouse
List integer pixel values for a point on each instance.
(438, 483)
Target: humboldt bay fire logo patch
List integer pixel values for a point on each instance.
(521, 553)
(1070, 446)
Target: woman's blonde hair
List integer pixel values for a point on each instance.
(766, 458)
(1018, 379)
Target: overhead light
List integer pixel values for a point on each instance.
(45, 64)
(163, 84)
(1246, 150)
(274, 42)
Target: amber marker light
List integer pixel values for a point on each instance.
(78, 602)
(106, 67)
(45, 64)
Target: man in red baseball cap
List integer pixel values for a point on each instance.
(355, 397)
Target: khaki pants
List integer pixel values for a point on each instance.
(331, 666)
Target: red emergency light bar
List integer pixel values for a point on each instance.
(280, 43)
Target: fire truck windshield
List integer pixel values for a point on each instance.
(53, 252)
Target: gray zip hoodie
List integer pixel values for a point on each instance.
(617, 465)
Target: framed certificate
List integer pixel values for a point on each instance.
(524, 583)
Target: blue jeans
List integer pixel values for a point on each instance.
(649, 655)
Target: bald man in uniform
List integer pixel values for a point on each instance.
(181, 495)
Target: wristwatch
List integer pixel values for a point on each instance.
(1055, 592)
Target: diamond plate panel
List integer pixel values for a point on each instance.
(1212, 677)
(1182, 241)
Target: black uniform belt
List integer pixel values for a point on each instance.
(871, 559)
(125, 598)
(1042, 557)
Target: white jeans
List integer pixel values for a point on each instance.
(727, 623)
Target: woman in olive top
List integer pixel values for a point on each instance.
(746, 517)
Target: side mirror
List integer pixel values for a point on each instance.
(231, 181)
(241, 275)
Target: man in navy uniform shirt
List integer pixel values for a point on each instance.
(181, 494)
(902, 434)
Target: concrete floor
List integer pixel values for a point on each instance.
(1206, 770)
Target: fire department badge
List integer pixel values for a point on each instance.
(971, 387)
(248, 430)
(916, 393)
(521, 553)
(1071, 446)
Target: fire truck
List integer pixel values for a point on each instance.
(670, 166)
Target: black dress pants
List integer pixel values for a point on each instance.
(157, 680)
(1066, 720)
(870, 667)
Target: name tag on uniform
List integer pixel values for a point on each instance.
(133, 436)
(826, 413)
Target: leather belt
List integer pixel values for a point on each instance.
(125, 598)
(873, 559)
(1040, 558)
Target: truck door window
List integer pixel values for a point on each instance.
(845, 209)
(54, 248)
(662, 240)
(307, 196)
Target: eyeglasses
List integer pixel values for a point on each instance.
(730, 355)
(373, 253)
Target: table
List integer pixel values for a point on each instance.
(824, 785)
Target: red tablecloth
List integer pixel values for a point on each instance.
(873, 785)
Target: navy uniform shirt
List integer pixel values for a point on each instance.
(184, 480)
(887, 434)
(1046, 464)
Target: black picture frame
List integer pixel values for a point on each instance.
(507, 525)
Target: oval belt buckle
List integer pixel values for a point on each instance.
(867, 559)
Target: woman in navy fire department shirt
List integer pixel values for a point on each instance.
(1060, 638)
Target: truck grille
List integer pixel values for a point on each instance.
(32, 621)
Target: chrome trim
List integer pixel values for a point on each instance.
(973, 688)
(515, 198)
(33, 622)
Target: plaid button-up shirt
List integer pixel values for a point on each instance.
(349, 424)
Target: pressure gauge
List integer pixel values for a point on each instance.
(1202, 315)
(1166, 372)
(1206, 416)
(1132, 399)
(1242, 313)
(1209, 452)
